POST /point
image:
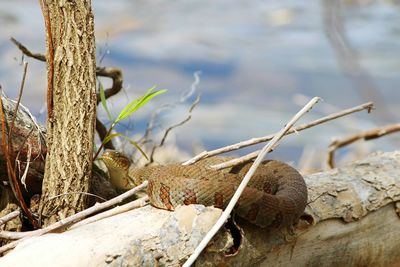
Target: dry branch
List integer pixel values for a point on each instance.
(113, 73)
(9, 217)
(112, 212)
(8, 155)
(225, 215)
(205, 154)
(169, 129)
(10, 235)
(27, 52)
(28, 138)
(366, 135)
(117, 79)
(76, 217)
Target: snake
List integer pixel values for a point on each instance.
(275, 196)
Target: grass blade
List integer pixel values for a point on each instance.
(103, 100)
(138, 103)
(136, 145)
(109, 137)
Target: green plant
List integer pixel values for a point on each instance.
(126, 112)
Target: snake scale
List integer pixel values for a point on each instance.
(276, 195)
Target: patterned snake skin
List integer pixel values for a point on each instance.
(275, 196)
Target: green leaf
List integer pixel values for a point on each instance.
(109, 137)
(133, 106)
(136, 145)
(126, 112)
(103, 100)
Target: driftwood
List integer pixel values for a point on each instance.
(351, 220)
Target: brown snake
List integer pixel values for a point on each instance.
(275, 196)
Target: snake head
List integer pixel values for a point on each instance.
(118, 165)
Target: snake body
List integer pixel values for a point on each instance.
(276, 195)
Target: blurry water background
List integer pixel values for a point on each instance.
(260, 61)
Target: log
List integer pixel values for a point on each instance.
(28, 142)
(352, 219)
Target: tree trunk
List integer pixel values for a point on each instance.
(71, 70)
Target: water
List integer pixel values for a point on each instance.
(260, 62)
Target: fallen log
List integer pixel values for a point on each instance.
(352, 219)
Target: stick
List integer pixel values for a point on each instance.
(253, 141)
(27, 52)
(366, 135)
(117, 210)
(184, 96)
(114, 73)
(244, 182)
(10, 169)
(167, 131)
(20, 92)
(9, 217)
(76, 217)
(65, 194)
(9, 235)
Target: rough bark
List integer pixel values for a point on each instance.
(29, 145)
(351, 220)
(70, 126)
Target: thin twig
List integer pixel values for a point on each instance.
(102, 144)
(185, 95)
(10, 132)
(366, 135)
(117, 210)
(27, 52)
(66, 194)
(8, 235)
(28, 161)
(114, 73)
(221, 220)
(167, 131)
(76, 217)
(253, 141)
(20, 92)
(117, 79)
(9, 217)
(10, 169)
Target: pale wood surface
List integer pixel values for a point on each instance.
(351, 221)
